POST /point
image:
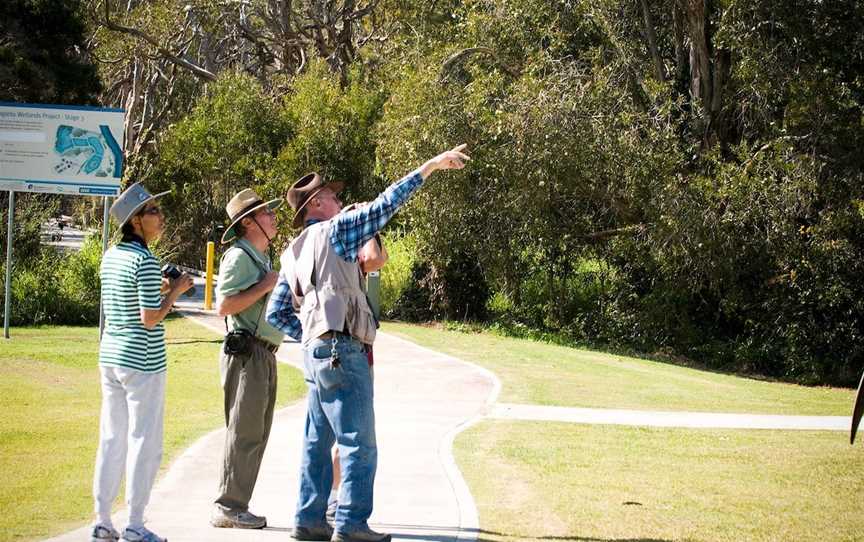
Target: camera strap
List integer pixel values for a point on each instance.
(264, 271)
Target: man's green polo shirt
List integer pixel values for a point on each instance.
(239, 272)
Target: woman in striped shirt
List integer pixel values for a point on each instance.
(132, 365)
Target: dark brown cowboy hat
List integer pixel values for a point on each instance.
(243, 204)
(306, 188)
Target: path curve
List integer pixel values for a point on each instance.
(423, 399)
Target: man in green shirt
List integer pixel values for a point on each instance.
(247, 363)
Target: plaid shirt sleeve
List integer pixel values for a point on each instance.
(351, 230)
(280, 310)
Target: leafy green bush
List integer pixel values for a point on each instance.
(56, 288)
(228, 142)
(330, 133)
(396, 274)
(80, 283)
(31, 211)
(457, 291)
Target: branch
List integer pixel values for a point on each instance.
(100, 60)
(168, 55)
(749, 162)
(460, 56)
(600, 236)
(362, 12)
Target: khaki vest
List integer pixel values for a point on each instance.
(327, 289)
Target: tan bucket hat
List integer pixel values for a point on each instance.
(130, 202)
(306, 188)
(242, 204)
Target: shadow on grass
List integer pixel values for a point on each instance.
(426, 533)
(573, 538)
(192, 341)
(507, 331)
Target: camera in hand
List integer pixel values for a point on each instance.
(170, 271)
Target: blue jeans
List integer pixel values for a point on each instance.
(339, 410)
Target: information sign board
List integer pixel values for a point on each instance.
(61, 149)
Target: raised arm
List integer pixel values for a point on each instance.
(353, 229)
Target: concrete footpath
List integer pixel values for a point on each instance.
(422, 400)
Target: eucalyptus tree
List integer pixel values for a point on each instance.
(158, 55)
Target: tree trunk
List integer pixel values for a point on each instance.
(709, 71)
(700, 57)
(682, 66)
(722, 66)
(651, 38)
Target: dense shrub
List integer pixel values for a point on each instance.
(57, 288)
(396, 276)
(456, 292)
(226, 143)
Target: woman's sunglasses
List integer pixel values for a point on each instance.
(151, 211)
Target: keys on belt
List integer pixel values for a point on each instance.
(334, 335)
(341, 335)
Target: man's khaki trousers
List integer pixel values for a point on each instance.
(249, 383)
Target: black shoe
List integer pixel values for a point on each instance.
(324, 532)
(360, 535)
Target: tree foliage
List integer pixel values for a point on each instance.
(225, 144)
(43, 59)
(42, 53)
(680, 176)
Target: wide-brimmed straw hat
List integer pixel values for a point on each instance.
(243, 204)
(131, 201)
(306, 188)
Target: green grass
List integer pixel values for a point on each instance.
(542, 481)
(546, 374)
(402, 252)
(50, 397)
(536, 481)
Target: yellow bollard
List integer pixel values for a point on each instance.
(208, 285)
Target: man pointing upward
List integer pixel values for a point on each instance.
(321, 277)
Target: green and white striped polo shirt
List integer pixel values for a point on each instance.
(131, 279)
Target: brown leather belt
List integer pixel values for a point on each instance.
(333, 334)
(269, 346)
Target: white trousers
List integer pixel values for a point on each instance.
(130, 437)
